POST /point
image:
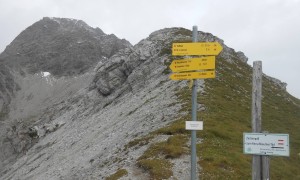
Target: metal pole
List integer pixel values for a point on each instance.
(194, 118)
(265, 160)
(256, 115)
(265, 167)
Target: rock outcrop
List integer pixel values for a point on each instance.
(279, 83)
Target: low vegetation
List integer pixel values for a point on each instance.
(228, 115)
(157, 168)
(174, 147)
(139, 142)
(117, 175)
(155, 159)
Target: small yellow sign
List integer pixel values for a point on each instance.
(196, 48)
(193, 75)
(193, 64)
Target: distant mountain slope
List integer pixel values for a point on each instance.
(61, 46)
(64, 48)
(122, 117)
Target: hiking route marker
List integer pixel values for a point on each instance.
(193, 75)
(196, 48)
(193, 64)
(266, 144)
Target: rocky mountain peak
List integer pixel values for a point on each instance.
(70, 24)
(60, 46)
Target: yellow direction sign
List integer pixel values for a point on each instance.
(193, 64)
(193, 75)
(196, 48)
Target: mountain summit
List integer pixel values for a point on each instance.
(61, 47)
(79, 104)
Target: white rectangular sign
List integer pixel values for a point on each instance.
(194, 125)
(266, 144)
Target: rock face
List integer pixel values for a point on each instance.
(8, 88)
(100, 94)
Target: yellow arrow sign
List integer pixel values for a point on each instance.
(193, 75)
(193, 64)
(196, 48)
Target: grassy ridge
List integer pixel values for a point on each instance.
(228, 115)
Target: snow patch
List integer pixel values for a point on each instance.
(47, 77)
(45, 74)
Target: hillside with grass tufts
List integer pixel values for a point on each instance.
(76, 103)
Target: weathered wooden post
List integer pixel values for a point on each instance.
(256, 115)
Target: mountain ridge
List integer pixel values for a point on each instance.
(89, 124)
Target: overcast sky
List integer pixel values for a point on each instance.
(266, 30)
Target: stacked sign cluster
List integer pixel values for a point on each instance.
(194, 68)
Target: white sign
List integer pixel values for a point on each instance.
(194, 125)
(266, 144)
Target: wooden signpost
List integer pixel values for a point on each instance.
(262, 144)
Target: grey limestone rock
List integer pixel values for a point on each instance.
(242, 56)
(279, 83)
